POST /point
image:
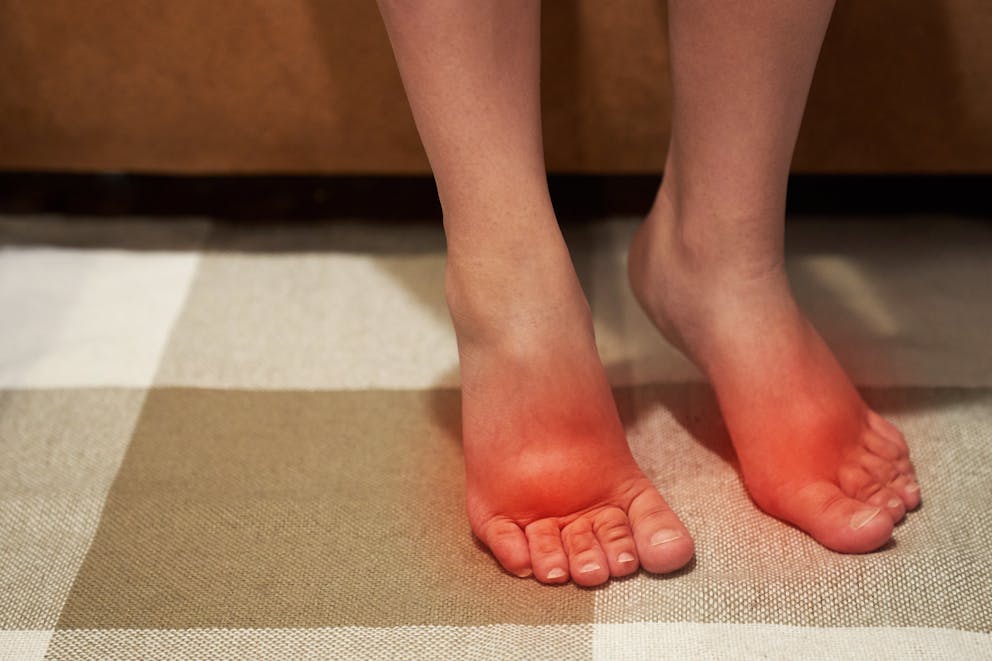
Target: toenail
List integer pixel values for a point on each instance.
(664, 536)
(912, 487)
(525, 573)
(894, 503)
(557, 572)
(589, 568)
(626, 557)
(861, 518)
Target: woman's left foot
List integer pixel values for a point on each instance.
(811, 451)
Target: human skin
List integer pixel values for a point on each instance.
(552, 488)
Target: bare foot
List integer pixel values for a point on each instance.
(811, 451)
(552, 487)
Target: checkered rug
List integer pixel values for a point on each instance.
(224, 441)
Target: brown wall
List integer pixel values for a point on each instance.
(309, 86)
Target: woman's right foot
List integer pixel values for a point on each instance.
(811, 451)
(552, 487)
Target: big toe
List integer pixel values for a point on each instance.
(838, 522)
(663, 543)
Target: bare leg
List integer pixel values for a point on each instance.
(552, 487)
(707, 266)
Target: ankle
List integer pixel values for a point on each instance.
(699, 282)
(489, 228)
(516, 298)
(727, 247)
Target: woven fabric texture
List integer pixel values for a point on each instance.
(224, 441)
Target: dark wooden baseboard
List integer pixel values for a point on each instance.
(576, 198)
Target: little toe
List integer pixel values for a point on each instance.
(617, 539)
(547, 555)
(509, 545)
(882, 446)
(663, 543)
(586, 558)
(835, 520)
(888, 430)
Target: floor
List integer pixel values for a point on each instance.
(239, 440)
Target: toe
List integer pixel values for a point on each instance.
(889, 480)
(882, 470)
(882, 446)
(509, 544)
(547, 556)
(663, 543)
(890, 502)
(855, 481)
(908, 489)
(835, 520)
(586, 558)
(617, 539)
(888, 430)
(905, 467)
